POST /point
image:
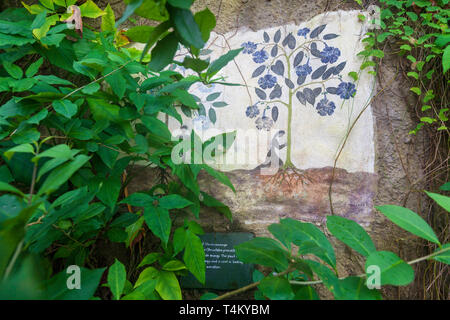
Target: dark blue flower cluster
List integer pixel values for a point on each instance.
(346, 90)
(268, 81)
(252, 111)
(325, 107)
(260, 56)
(330, 54)
(303, 32)
(303, 70)
(249, 47)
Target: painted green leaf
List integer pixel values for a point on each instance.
(393, 270)
(409, 220)
(351, 233)
(167, 286)
(440, 199)
(276, 288)
(117, 276)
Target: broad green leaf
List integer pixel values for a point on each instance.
(444, 256)
(179, 240)
(393, 270)
(140, 33)
(263, 251)
(206, 22)
(33, 68)
(23, 148)
(306, 232)
(90, 10)
(276, 288)
(61, 174)
(167, 286)
(8, 188)
(133, 229)
(90, 280)
(108, 20)
(440, 199)
(150, 258)
(163, 52)
(208, 296)
(409, 220)
(351, 233)
(304, 292)
(147, 274)
(183, 4)
(174, 201)
(446, 59)
(138, 199)
(220, 176)
(117, 275)
(65, 108)
(355, 288)
(174, 265)
(154, 36)
(194, 256)
(159, 222)
(445, 187)
(60, 151)
(109, 190)
(13, 70)
(329, 278)
(218, 64)
(186, 27)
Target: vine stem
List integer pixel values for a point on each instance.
(255, 284)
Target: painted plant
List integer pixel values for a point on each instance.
(287, 65)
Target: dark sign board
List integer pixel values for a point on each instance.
(223, 269)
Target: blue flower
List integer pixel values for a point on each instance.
(249, 47)
(303, 32)
(201, 122)
(260, 56)
(268, 81)
(325, 107)
(330, 55)
(264, 122)
(346, 90)
(252, 111)
(303, 70)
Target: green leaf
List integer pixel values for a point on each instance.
(263, 251)
(409, 220)
(393, 270)
(446, 59)
(329, 278)
(208, 296)
(140, 33)
(8, 188)
(351, 233)
(213, 96)
(206, 21)
(61, 174)
(57, 286)
(441, 200)
(174, 201)
(443, 257)
(150, 259)
(221, 62)
(179, 240)
(154, 36)
(194, 256)
(445, 187)
(355, 288)
(163, 52)
(147, 274)
(138, 199)
(220, 176)
(117, 276)
(159, 222)
(305, 293)
(33, 68)
(108, 20)
(174, 265)
(186, 27)
(183, 4)
(90, 10)
(167, 286)
(65, 108)
(314, 238)
(60, 151)
(13, 70)
(22, 148)
(276, 288)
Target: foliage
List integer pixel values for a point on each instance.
(301, 256)
(419, 32)
(78, 110)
